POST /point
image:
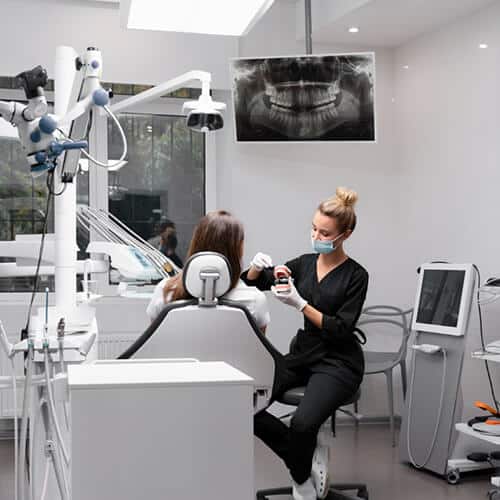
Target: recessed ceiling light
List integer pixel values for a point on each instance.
(483, 45)
(227, 17)
(353, 29)
(406, 66)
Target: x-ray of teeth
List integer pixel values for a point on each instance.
(304, 98)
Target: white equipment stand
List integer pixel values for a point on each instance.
(434, 402)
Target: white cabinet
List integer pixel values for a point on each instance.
(161, 430)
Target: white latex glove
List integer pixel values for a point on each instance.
(261, 260)
(291, 298)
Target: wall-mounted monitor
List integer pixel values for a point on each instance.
(444, 298)
(304, 98)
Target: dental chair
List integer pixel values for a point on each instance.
(211, 328)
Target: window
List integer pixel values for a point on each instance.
(164, 179)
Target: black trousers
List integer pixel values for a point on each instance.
(326, 391)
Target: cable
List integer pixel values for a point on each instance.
(45, 479)
(16, 429)
(24, 333)
(52, 407)
(62, 368)
(24, 422)
(56, 461)
(124, 142)
(483, 346)
(59, 467)
(408, 444)
(60, 449)
(121, 160)
(32, 437)
(50, 185)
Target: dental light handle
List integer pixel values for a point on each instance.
(427, 348)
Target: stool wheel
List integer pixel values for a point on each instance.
(453, 476)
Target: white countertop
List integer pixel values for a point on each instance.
(133, 373)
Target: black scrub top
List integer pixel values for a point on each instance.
(340, 296)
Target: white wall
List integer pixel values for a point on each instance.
(447, 117)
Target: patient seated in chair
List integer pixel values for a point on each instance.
(219, 232)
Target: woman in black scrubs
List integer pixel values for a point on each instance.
(329, 289)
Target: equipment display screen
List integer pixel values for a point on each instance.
(440, 297)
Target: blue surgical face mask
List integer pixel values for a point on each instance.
(325, 246)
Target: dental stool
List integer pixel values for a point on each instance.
(293, 397)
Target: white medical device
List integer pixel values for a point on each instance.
(434, 402)
(443, 298)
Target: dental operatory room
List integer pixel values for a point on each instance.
(249, 249)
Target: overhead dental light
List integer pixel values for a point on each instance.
(223, 17)
(203, 114)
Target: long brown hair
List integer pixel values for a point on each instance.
(218, 232)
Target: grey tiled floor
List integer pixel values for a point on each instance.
(364, 455)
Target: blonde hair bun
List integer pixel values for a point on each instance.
(341, 208)
(346, 197)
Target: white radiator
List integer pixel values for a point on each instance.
(110, 346)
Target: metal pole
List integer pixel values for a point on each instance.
(308, 27)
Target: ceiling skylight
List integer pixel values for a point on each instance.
(213, 17)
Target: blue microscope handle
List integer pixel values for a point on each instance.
(56, 148)
(74, 145)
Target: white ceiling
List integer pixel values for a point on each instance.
(386, 23)
(382, 23)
